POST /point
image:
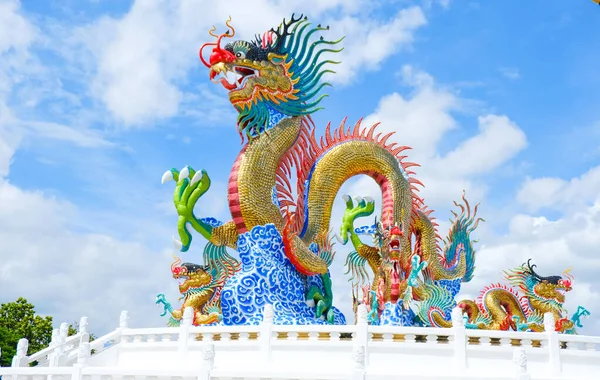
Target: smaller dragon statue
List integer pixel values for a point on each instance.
(200, 286)
(404, 275)
(522, 306)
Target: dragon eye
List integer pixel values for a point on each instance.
(240, 54)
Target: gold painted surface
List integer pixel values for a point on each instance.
(347, 160)
(225, 235)
(257, 171)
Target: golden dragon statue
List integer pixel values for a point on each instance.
(287, 178)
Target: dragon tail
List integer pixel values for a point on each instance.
(459, 236)
(435, 309)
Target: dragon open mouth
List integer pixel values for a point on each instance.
(233, 78)
(394, 245)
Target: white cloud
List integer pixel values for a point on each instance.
(498, 141)
(59, 270)
(512, 73)
(558, 194)
(369, 43)
(423, 119)
(143, 56)
(15, 31)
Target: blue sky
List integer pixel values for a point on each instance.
(99, 98)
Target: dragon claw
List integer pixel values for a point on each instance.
(166, 177)
(369, 199)
(184, 173)
(177, 243)
(197, 177)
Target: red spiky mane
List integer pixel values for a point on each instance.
(307, 150)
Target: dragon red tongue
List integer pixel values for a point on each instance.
(227, 85)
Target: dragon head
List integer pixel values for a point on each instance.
(277, 73)
(389, 240)
(547, 292)
(191, 276)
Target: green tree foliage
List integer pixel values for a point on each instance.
(19, 320)
(8, 345)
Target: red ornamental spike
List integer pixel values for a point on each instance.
(400, 149)
(343, 122)
(371, 131)
(328, 138)
(407, 165)
(415, 182)
(340, 132)
(356, 131)
(385, 138)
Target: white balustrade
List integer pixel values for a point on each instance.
(268, 351)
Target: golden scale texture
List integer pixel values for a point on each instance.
(225, 235)
(256, 174)
(347, 160)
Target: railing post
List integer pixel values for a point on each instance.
(184, 333)
(83, 331)
(54, 339)
(460, 339)
(124, 320)
(266, 330)
(520, 360)
(553, 344)
(208, 360)
(57, 357)
(358, 357)
(83, 355)
(123, 324)
(20, 359)
(361, 340)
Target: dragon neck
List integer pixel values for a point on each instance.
(544, 306)
(253, 175)
(259, 119)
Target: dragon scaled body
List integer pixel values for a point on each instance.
(286, 177)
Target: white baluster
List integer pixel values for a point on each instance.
(83, 325)
(553, 344)
(460, 339)
(20, 359)
(520, 361)
(123, 324)
(266, 332)
(124, 319)
(358, 359)
(361, 337)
